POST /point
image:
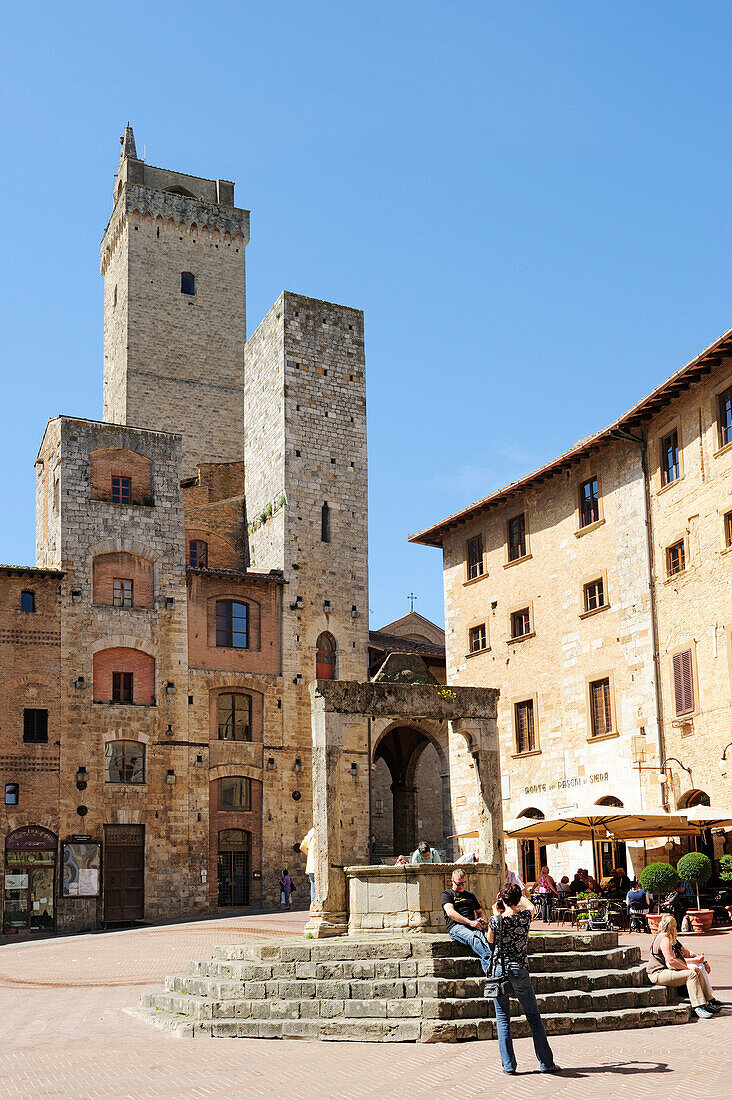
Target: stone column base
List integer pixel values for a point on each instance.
(322, 925)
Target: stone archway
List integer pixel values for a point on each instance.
(411, 790)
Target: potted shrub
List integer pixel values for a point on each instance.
(725, 873)
(658, 879)
(696, 868)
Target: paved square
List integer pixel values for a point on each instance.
(63, 1035)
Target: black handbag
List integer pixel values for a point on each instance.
(498, 985)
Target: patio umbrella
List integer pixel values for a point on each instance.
(708, 817)
(599, 823)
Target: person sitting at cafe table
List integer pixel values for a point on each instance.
(578, 885)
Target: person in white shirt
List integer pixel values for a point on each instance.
(512, 879)
(425, 854)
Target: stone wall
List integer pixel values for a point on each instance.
(394, 899)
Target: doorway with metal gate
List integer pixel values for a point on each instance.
(234, 867)
(124, 873)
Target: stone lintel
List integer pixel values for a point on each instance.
(385, 700)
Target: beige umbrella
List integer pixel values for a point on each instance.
(708, 817)
(598, 823)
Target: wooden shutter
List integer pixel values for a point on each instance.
(683, 682)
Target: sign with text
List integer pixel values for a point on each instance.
(567, 784)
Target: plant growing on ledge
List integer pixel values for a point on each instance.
(446, 693)
(695, 868)
(658, 878)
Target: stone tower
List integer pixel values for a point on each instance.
(172, 257)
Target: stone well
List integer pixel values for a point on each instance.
(407, 898)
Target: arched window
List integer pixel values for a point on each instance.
(197, 554)
(534, 813)
(234, 716)
(124, 762)
(609, 800)
(325, 522)
(187, 282)
(325, 657)
(231, 624)
(695, 798)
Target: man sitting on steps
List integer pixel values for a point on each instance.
(464, 918)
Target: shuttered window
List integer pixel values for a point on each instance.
(683, 682)
(725, 417)
(600, 708)
(475, 557)
(517, 538)
(524, 719)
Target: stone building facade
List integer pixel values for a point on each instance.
(201, 557)
(596, 594)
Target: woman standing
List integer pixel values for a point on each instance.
(547, 888)
(510, 922)
(669, 963)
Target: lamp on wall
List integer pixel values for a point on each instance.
(723, 758)
(662, 777)
(353, 770)
(297, 766)
(170, 688)
(270, 763)
(170, 777)
(81, 778)
(79, 682)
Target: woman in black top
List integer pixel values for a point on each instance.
(510, 922)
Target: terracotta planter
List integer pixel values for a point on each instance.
(701, 919)
(653, 921)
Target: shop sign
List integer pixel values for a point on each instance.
(31, 838)
(567, 784)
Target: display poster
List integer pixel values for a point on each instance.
(81, 862)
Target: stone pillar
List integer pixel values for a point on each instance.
(329, 916)
(481, 735)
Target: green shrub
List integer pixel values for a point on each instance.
(725, 868)
(659, 878)
(695, 868)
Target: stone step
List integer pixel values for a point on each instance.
(406, 1030)
(417, 947)
(573, 1001)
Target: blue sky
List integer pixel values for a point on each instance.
(528, 200)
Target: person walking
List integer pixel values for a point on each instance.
(285, 890)
(670, 964)
(547, 888)
(509, 927)
(307, 845)
(464, 919)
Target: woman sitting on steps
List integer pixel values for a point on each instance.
(670, 964)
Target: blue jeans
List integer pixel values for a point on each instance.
(524, 990)
(312, 888)
(476, 941)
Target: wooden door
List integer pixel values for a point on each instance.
(124, 876)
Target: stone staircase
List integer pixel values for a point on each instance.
(414, 989)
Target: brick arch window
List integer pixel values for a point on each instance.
(325, 657)
(122, 579)
(234, 716)
(235, 793)
(197, 554)
(124, 675)
(121, 476)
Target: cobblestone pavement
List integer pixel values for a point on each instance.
(62, 1034)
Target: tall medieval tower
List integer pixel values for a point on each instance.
(172, 257)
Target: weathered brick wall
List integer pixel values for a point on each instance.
(30, 660)
(119, 462)
(119, 565)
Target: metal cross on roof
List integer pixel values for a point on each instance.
(411, 597)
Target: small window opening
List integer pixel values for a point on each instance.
(12, 792)
(325, 522)
(121, 490)
(187, 283)
(27, 601)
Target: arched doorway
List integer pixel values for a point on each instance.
(532, 854)
(410, 772)
(234, 867)
(610, 853)
(30, 866)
